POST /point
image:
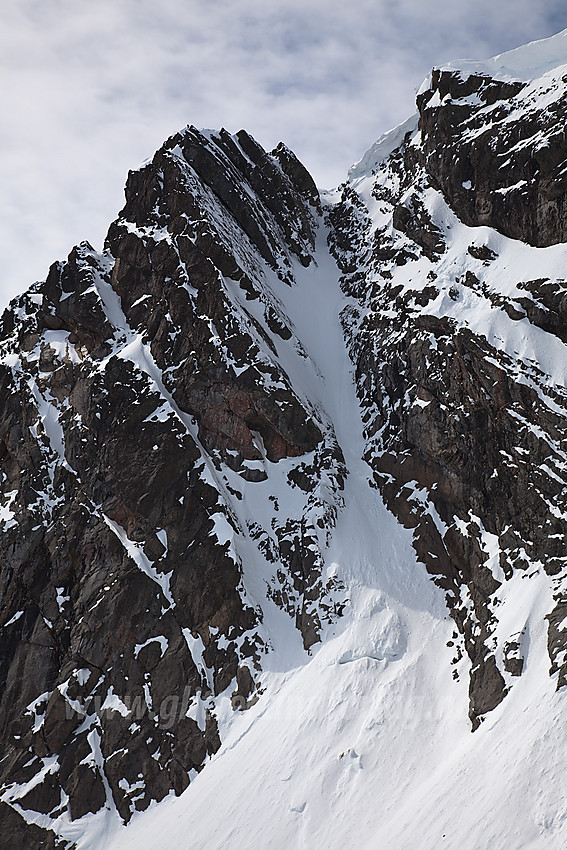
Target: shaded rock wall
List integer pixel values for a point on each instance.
(497, 152)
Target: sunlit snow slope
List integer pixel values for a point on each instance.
(367, 742)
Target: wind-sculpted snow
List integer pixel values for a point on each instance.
(283, 495)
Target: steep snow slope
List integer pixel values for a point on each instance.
(528, 62)
(366, 743)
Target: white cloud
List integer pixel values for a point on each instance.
(91, 89)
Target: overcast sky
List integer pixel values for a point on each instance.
(90, 88)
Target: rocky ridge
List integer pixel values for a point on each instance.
(142, 394)
(465, 422)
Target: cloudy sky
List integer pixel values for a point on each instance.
(90, 89)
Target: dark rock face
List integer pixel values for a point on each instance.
(137, 389)
(17, 833)
(497, 153)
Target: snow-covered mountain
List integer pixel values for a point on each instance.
(284, 495)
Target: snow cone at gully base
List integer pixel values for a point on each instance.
(283, 500)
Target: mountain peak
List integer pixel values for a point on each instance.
(283, 494)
